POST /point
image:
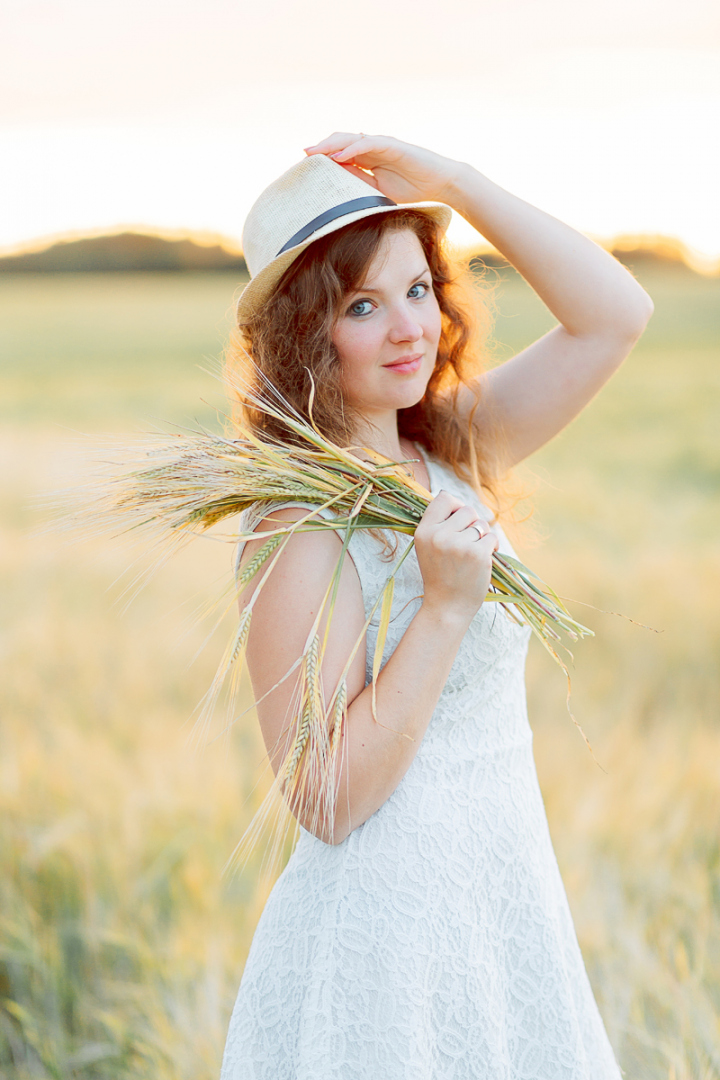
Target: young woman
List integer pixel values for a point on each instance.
(424, 933)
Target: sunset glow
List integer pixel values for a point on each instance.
(608, 120)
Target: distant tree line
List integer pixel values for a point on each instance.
(133, 252)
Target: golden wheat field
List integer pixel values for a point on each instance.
(121, 941)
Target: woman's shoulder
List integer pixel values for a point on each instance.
(259, 518)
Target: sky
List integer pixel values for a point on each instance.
(176, 115)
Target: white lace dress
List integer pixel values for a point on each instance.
(435, 942)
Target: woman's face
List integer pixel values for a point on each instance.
(388, 331)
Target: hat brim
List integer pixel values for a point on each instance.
(259, 288)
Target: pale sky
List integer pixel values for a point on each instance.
(176, 115)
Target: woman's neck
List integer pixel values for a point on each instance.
(385, 439)
(381, 435)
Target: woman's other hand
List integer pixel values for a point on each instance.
(402, 172)
(454, 550)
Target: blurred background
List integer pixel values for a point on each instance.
(134, 139)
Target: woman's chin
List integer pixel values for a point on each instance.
(396, 403)
(411, 401)
(407, 395)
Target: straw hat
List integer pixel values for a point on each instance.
(312, 199)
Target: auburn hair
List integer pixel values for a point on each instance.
(288, 340)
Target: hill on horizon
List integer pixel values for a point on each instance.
(126, 251)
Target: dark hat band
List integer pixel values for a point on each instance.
(330, 215)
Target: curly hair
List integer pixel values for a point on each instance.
(289, 340)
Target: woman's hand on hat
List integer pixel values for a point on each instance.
(401, 171)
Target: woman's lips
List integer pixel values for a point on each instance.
(405, 365)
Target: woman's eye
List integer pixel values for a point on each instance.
(361, 307)
(423, 288)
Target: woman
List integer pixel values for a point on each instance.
(424, 932)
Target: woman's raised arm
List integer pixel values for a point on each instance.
(601, 308)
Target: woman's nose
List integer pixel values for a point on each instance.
(405, 328)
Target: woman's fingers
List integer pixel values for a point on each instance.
(456, 515)
(488, 543)
(346, 149)
(361, 175)
(335, 143)
(477, 529)
(368, 151)
(403, 172)
(440, 508)
(477, 536)
(448, 508)
(363, 147)
(448, 521)
(474, 535)
(462, 518)
(458, 521)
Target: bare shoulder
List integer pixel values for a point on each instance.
(309, 556)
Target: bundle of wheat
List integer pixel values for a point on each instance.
(184, 484)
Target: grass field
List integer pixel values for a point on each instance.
(121, 943)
